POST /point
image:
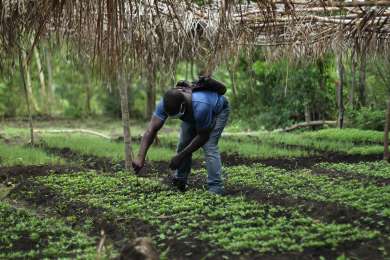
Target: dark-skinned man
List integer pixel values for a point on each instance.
(204, 114)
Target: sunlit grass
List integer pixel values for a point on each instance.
(100, 147)
(260, 150)
(11, 155)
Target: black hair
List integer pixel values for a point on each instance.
(173, 98)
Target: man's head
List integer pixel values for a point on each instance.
(174, 103)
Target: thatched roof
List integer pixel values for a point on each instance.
(157, 33)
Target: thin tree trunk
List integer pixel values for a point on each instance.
(88, 97)
(353, 83)
(50, 86)
(340, 87)
(41, 81)
(386, 154)
(27, 79)
(307, 113)
(233, 80)
(122, 85)
(22, 58)
(150, 95)
(362, 80)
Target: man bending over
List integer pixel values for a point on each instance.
(204, 114)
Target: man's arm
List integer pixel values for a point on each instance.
(155, 125)
(199, 140)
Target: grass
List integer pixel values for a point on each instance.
(374, 169)
(260, 150)
(233, 223)
(96, 146)
(25, 236)
(12, 155)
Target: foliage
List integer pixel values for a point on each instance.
(303, 184)
(367, 118)
(25, 236)
(232, 222)
(276, 93)
(374, 169)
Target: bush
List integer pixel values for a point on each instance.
(367, 118)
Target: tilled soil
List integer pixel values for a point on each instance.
(121, 231)
(300, 162)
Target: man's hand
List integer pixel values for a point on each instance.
(175, 162)
(138, 164)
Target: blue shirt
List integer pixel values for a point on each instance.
(205, 106)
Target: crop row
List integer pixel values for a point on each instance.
(373, 169)
(25, 236)
(233, 223)
(365, 197)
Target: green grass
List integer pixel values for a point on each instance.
(303, 184)
(346, 135)
(259, 150)
(100, 147)
(25, 236)
(229, 222)
(12, 155)
(348, 141)
(375, 169)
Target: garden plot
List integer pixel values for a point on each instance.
(227, 225)
(26, 236)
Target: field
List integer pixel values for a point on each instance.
(308, 195)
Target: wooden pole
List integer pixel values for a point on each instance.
(386, 154)
(22, 74)
(122, 85)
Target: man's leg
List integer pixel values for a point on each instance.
(187, 133)
(213, 158)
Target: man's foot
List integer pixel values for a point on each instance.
(179, 184)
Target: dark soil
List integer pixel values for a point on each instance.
(119, 231)
(34, 170)
(379, 181)
(87, 161)
(300, 162)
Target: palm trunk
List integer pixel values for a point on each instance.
(42, 82)
(122, 85)
(22, 63)
(50, 86)
(386, 154)
(340, 87)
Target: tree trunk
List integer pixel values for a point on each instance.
(353, 83)
(22, 63)
(362, 80)
(122, 85)
(42, 82)
(88, 93)
(340, 87)
(307, 113)
(150, 95)
(233, 80)
(50, 86)
(27, 80)
(386, 154)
